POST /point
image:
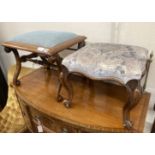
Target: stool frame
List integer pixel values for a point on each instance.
(49, 60)
(133, 87)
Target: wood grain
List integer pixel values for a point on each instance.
(97, 106)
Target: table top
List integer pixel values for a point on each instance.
(96, 105)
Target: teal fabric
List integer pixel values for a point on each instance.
(44, 38)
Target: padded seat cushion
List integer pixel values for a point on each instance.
(105, 60)
(45, 39)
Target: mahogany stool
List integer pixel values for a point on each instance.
(43, 44)
(124, 65)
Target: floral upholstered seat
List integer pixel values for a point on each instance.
(125, 65)
(105, 60)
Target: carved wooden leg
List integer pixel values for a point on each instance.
(55, 59)
(18, 68)
(134, 91)
(59, 97)
(45, 62)
(126, 110)
(64, 75)
(18, 65)
(58, 61)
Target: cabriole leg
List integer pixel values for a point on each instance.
(134, 91)
(64, 81)
(59, 97)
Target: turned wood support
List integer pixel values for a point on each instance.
(134, 91)
(64, 81)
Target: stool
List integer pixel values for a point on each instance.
(124, 65)
(43, 44)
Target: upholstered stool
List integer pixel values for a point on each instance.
(119, 64)
(43, 44)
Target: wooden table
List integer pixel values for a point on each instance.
(153, 125)
(97, 106)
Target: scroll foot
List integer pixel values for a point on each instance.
(128, 124)
(67, 103)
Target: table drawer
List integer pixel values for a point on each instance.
(49, 124)
(37, 121)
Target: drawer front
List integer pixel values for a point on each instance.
(49, 124)
(38, 122)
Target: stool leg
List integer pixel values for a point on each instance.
(134, 91)
(64, 81)
(126, 111)
(18, 68)
(59, 97)
(46, 64)
(58, 61)
(18, 65)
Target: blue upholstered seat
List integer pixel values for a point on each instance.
(45, 39)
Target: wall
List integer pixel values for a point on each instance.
(94, 32)
(142, 34)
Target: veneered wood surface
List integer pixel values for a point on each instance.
(96, 105)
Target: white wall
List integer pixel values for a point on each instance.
(94, 32)
(142, 34)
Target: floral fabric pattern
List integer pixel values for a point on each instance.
(105, 60)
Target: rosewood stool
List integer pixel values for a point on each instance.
(43, 44)
(124, 65)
